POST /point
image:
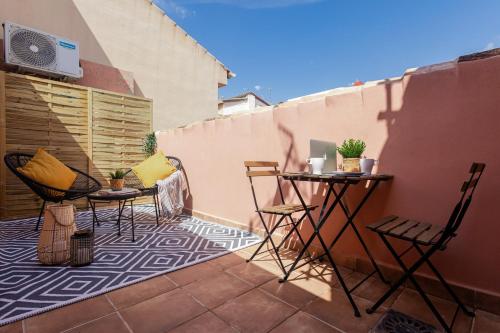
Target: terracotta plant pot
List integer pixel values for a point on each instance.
(116, 184)
(351, 165)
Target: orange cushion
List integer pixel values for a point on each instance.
(48, 170)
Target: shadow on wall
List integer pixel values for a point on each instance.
(425, 128)
(448, 119)
(101, 74)
(33, 108)
(437, 125)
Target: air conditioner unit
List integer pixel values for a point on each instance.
(40, 52)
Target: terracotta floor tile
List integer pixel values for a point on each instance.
(372, 289)
(338, 312)
(243, 254)
(228, 260)
(141, 291)
(301, 322)
(251, 249)
(109, 324)
(412, 304)
(318, 280)
(254, 312)
(206, 323)
(194, 273)
(321, 272)
(162, 312)
(69, 316)
(391, 273)
(269, 261)
(16, 327)
(487, 302)
(463, 323)
(289, 292)
(252, 274)
(435, 288)
(486, 323)
(217, 289)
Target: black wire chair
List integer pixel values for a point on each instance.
(83, 184)
(132, 181)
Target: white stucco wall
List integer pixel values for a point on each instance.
(250, 103)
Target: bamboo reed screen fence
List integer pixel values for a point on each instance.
(93, 130)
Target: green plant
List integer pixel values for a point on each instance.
(118, 174)
(352, 148)
(149, 144)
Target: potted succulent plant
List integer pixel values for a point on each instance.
(116, 182)
(351, 151)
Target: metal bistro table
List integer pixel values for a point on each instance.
(344, 183)
(122, 197)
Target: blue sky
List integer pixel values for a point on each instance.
(288, 48)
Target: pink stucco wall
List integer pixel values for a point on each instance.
(425, 129)
(107, 78)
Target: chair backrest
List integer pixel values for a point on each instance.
(467, 191)
(82, 185)
(175, 162)
(132, 181)
(263, 169)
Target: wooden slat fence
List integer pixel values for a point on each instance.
(93, 130)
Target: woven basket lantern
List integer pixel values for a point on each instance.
(82, 248)
(58, 227)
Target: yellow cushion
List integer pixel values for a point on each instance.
(48, 170)
(154, 168)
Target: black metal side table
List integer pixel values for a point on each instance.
(129, 195)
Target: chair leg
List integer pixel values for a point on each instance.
(446, 285)
(269, 238)
(132, 218)
(419, 289)
(155, 199)
(295, 225)
(40, 215)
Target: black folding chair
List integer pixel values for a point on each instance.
(433, 238)
(284, 211)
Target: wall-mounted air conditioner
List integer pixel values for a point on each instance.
(40, 52)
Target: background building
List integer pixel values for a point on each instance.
(131, 46)
(246, 102)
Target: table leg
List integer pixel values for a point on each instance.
(316, 233)
(311, 220)
(120, 211)
(132, 218)
(350, 222)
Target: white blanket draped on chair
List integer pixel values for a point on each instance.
(171, 194)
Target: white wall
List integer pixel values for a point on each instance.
(168, 65)
(246, 105)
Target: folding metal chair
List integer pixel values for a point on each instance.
(433, 238)
(284, 211)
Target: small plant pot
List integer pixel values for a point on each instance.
(116, 184)
(351, 165)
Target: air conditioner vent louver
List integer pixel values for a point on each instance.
(33, 48)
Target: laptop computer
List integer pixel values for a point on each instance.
(318, 148)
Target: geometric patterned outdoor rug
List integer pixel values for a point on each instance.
(28, 288)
